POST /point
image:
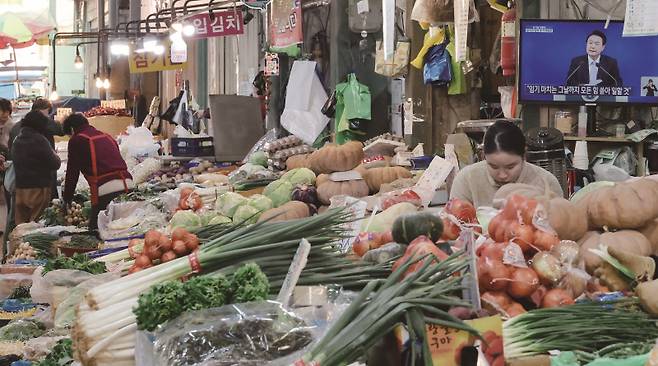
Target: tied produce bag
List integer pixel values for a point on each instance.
(353, 109)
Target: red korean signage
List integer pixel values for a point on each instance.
(286, 23)
(224, 23)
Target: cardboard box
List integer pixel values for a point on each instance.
(112, 125)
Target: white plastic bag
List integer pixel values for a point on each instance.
(303, 116)
(126, 219)
(138, 143)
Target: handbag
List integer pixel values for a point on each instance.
(329, 107)
(10, 178)
(398, 65)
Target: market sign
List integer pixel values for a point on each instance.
(286, 26)
(224, 23)
(141, 62)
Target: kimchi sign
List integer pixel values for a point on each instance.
(223, 23)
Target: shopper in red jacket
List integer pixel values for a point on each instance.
(96, 155)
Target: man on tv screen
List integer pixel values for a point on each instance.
(594, 68)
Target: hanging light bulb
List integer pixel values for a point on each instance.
(77, 62)
(99, 82)
(53, 94)
(106, 83)
(188, 30)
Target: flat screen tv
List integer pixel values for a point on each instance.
(565, 61)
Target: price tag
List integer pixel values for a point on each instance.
(435, 175)
(62, 113)
(116, 104)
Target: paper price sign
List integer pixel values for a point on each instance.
(116, 104)
(62, 113)
(435, 175)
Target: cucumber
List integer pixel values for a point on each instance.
(408, 227)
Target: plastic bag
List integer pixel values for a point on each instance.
(438, 69)
(39, 348)
(246, 334)
(10, 281)
(53, 287)
(139, 142)
(353, 108)
(305, 96)
(440, 11)
(270, 135)
(65, 313)
(22, 330)
(127, 219)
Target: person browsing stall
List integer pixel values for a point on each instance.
(34, 160)
(504, 150)
(96, 155)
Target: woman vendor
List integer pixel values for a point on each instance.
(504, 151)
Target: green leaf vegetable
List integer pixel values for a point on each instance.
(249, 283)
(22, 330)
(162, 302)
(168, 300)
(78, 261)
(61, 354)
(21, 292)
(206, 292)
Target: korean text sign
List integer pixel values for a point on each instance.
(223, 23)
(141, 62)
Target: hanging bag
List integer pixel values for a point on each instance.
(397, 66)
(10, 178)
(438, 64)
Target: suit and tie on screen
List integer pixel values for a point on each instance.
(594, 68)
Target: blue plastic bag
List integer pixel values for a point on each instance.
(438, 68)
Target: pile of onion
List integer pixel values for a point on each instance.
(158, 248)
(516, 223)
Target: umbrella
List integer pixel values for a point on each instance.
(22, 29)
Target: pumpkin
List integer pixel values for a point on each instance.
(624, 205)
(292, 210)
(567, 219)
(650, 231)
(354, 188)
(298, 161)
(407, 228)
(375, 177)
(336, 158)
(522, 189)
(628, 240)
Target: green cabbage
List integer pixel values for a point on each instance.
(186, 219)
(229, 202)
(207, 216)
(260, 202)
(258, 158)
(246, 213)
(219, 219)
(300, 176)
(279, 191)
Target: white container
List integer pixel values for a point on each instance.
(582, 122)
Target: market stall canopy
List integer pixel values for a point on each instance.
(24, 28)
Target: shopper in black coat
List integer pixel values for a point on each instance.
(34, 161)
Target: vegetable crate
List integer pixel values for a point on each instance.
(192, 146)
